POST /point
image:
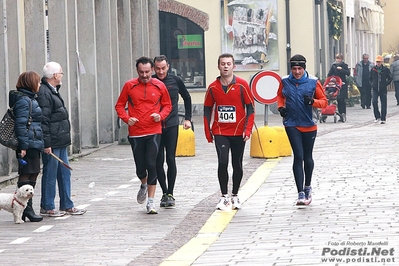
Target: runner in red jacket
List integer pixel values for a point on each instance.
(145, 99)
(231, 100)
(148, 104)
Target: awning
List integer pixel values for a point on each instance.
(369, 17)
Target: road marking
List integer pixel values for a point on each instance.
(114, 159)
(97, 199)
(2, 250)
(64, 217)
(218, 221)
(83, 206)
(43, 228)
(111, 193)
(20, 240)
(124, 186)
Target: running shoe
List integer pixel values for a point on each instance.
(51, 213)
(142, 194)
(151, 208)
(164, 200)
(301, 198)
(377, 120)
(343, 115)
(308, 195)
(74, 211)
(224, 203)
(383, 121)
(170, 201)
(235, 203)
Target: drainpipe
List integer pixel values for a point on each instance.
(324, 58)
(288, 33)
(318, 49)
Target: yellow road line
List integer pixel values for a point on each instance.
(218, 221)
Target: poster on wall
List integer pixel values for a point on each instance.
(249, 32)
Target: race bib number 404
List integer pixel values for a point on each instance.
(227, 114)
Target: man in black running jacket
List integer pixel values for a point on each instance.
(170, 129)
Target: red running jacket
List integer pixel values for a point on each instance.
(143, 100)
(234, 110)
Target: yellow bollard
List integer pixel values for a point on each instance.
(185, 142)
(284, 144)
(264, 143)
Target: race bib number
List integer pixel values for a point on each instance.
(227, 114)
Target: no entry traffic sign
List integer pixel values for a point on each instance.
(264, 86)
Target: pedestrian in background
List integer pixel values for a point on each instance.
(231, 100)
(395, 76)
(380, 78)
(297, 96)
(28, 130)
(362, 79)
(170, 129)
(340, 68)
(148, 104)
(57, 137)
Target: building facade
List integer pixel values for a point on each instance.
(97, 42)
(390, 39)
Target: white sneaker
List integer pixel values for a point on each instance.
(308, 195)
(151, 208)
(377, 120)
(383, 122)
(235, 203)
(224, 203)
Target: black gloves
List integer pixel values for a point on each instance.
(308, 100)
(282, 111)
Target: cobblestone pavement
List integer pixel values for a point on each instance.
(354, 188)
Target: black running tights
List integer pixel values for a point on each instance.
(145, 150)
(302, 146)
(223, 145)
(168, 144)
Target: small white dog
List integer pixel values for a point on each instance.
(16, 203)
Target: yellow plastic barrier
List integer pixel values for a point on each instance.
(283, 142)
(264, 143)
(185, 142)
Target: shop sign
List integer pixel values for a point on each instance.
(189, 41)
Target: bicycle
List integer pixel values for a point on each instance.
(181, 120)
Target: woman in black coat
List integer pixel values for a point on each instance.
(340, 68)
(28, 130)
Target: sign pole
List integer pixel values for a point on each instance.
(266, 116)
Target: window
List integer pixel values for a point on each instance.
(182, 41)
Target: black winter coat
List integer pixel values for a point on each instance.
(28, 131)
(55, 124)
(175, 87)
(342, 73)
(380, 78)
